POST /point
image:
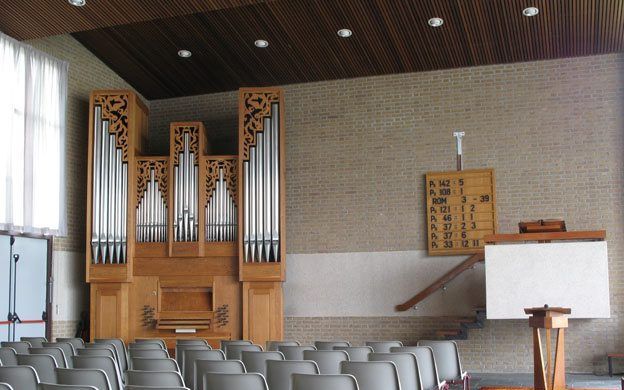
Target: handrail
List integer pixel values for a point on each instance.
(599, 235)
(435, 286)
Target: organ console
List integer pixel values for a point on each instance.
(166, 257)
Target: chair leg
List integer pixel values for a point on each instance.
(467, 382)
(610, 361)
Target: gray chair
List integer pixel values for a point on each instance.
(426, 365)
(180, 353)
(144, 346)
(56, 352)
(373, 375)
(160, 342)
(191, 356)
(44, 365)
(274, 345)
(234, 352)
(8, 356)
(154, 378)
(105, 363)
(5, 386)
(292, 352)
(96, 352)
(34, 341)
(203, 367)
(193, 342)
(322, 382)
(383, 346)
(329, 345)
(279, 372)
(148, 353)
(221, 381)
(52, 386)
(356, 354)
(155, 388)
(18, 346)
(328, 361)
(225, 343)
(256, 361)
(83, 377)
(147, 364)
(447, 360)
(19, 377)
(120, 348)
(407, 367)
(75, 341)
(67, 348)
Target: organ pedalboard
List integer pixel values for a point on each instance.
(190, 244)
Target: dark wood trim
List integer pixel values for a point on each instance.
(597, 235)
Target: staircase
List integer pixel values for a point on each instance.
(463, 325)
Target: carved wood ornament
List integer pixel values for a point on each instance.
(256, 105)
(115, 111)
(160, 176)
(230, 168)
(178, 142)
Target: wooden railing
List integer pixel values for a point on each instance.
(446, 278)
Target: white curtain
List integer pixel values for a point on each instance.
(33, 96)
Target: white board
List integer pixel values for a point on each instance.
(571, 274)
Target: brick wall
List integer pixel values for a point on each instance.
(357, 151)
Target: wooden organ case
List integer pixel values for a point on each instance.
(189, 245)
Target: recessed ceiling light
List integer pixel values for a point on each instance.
(435, 22)
(261, 43)
(184, 53)
(530, 11)
(345, 33)
(77, 3)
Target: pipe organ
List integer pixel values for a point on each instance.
(189, 244)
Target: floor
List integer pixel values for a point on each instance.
(573, 380)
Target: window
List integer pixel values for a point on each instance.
(33, 95)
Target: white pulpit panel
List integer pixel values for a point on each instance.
(566, 274)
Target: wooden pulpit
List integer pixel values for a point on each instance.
(549, 376)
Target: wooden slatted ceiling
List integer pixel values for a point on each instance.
(390, 36)
(40, 18)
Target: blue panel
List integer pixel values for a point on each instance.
(31, 284)
(5, 247)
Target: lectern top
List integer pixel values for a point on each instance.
(547, 311)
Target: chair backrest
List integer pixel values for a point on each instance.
(356, 354)
(219, 366)
(75, 341)
(279, 372)
(8, 356)
(67, 348)
(148, 353)
(105, 363)
(155, 388)
(19, 377)
(6, 386)
(44, 365)
(147, 364)
(373, 375)
(447, 360)
(329, 345)
(234, 352)
(383, 346)
(83, 377)
(52, 386)
(273, 345)
(407, 367)
(328, 361)
(144, 346)
(154, 378)
(192, 355)
(180, 353)
(321, 382)
(256, 361)
(34, 341)
(221, 381)
(225, 343)
(192, 342)
(426, 365)
(292, 352)
(18, 346)
(96, 352)
(56, 352)
(122, 353)
(161, 342)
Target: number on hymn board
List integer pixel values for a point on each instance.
(461, 210)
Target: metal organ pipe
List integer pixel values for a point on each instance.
(151, 213)
(186, 194)
(220, 211)
(261, 194)
(109, 201)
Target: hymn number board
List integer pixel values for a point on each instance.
(461, 210)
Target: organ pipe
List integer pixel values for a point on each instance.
(186, 176)
(151, 212)
(221, 211)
